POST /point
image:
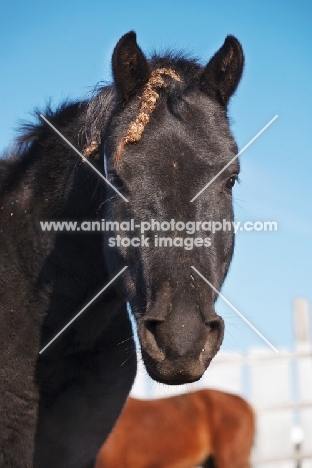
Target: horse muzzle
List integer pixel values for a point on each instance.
(179, 349)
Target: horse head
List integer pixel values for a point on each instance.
(168, 136)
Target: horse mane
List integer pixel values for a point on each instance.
(64, 114)
(23, 152)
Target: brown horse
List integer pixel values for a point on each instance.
(207, 428)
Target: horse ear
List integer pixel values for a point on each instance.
(130, 67)
(223, 72)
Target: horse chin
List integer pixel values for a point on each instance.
(171, 382)
(175, 371)
(161, 380)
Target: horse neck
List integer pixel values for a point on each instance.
(49, 182)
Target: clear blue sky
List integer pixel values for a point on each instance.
(63, 48)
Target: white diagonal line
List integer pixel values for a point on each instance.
(235, 157)
(83, 157)
(235, 310)
(83, 309)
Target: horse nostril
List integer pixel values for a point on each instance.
(215, 335)
(215, 324)
(148, 337)
(152, 323)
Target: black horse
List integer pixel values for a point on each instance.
(161, 132)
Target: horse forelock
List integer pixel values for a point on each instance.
(167, 70)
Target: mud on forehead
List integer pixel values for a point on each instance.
(148, 104)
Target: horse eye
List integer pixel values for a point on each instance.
(231, 182)
(116, 181)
